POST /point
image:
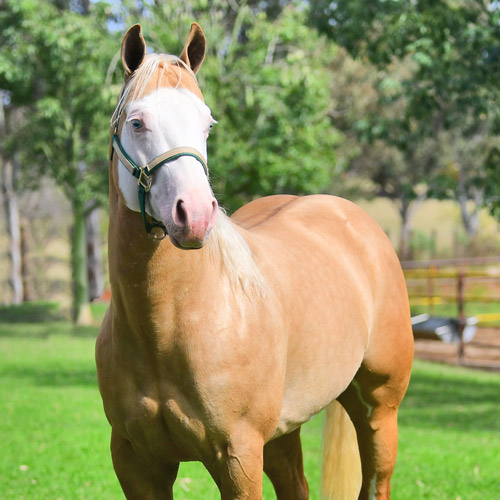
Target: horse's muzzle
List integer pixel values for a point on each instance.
(193, 219)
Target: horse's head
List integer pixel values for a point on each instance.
(161, 110)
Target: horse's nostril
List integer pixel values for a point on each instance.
(181, 214)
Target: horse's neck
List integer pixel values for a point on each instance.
(145, 273)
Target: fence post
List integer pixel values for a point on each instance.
(461, 314)
(430, 287)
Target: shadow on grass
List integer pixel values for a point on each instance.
(87, 332)
(46, 329)
(449, 398)
(54, 376)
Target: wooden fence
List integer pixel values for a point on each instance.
(456, 287)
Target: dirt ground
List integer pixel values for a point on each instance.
(483, 352)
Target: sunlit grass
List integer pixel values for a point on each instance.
(54, 435)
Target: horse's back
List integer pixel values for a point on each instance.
(323, 226)
(288, 214)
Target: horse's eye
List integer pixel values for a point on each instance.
(211, 124)
(137, 124)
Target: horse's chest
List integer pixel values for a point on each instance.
(142, 413)
(172, 404)
(158, 429)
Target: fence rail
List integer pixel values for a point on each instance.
(474, 282)
(464, 262)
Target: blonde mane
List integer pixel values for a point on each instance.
(238, 262)
(140, 78)
(225, 241)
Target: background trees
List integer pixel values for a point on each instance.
(392, 98)
(266, 78)
(439, 61)
(53, 65)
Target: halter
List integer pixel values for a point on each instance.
(155, 229)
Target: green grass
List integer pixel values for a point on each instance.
(449, 435)
(54, 436)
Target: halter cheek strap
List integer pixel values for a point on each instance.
(156, 229)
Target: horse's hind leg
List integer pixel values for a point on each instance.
(373, 405)
(284, 467)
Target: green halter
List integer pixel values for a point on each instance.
(155, 229)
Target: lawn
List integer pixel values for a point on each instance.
(54, 436)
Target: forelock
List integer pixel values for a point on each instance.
(159, 68)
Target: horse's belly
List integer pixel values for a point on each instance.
(319, 369)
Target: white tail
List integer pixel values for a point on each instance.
(341, 463)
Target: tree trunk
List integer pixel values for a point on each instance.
(406, 228)
(81, 314)
(407, 211)
(26, 266)
(470, 216)
(13, 230)
(94, 256)
(8, 174)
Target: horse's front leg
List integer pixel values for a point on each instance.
(238, 466)
(138, 479)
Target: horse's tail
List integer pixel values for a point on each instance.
(341, 463)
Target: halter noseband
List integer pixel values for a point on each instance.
(155, 229)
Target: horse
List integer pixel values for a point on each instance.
(225, 334)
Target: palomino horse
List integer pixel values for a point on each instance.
(224, 338)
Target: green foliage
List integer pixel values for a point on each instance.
(60, 60)
(267, 82)
(30, 312)
(53, 63)
(451, 49)
(493, 185)
(274, 134)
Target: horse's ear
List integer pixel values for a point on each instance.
(193, 52)
(133, 49)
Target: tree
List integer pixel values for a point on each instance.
(401, 165)
(8, 176)
(492, 189)
(266, 78)
(54, 62)
(465, 152)
(452, 49)
(388, 152)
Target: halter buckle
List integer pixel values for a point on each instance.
(144, 180)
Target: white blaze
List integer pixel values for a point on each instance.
(168, 118)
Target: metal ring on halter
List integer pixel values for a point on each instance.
(158, 232)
